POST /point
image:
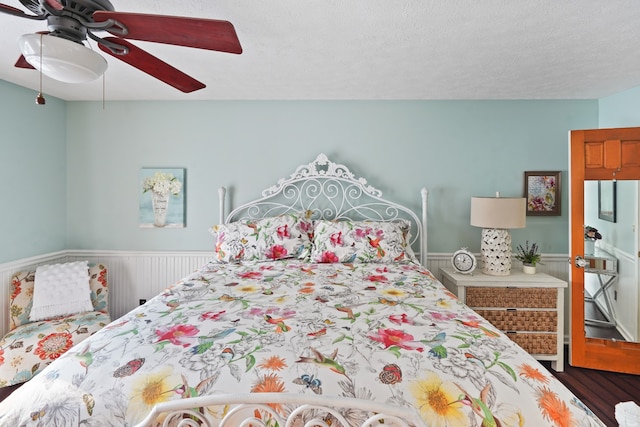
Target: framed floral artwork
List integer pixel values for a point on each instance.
(542, 191)
(162, 197)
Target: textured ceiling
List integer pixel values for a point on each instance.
(377, 49)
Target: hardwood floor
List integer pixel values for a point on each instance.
(599, 390)
(6, 391)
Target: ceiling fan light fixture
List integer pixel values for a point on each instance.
(62, 59)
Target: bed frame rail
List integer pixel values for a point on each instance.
(331, 191)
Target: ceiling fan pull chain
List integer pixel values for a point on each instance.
(40, 98)
(103, 88)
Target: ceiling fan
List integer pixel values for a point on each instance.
(60, 52)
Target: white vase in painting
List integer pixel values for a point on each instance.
(160, 203)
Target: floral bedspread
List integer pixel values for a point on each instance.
(387, 332)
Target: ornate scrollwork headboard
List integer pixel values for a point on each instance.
(331, 191)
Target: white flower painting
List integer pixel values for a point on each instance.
(162, 198)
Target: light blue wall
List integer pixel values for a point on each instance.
(73, 167)
(33, 171)
(458, 149)
(620, 110)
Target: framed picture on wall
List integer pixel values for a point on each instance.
(542, 191)
(162, 197)
(607, 200)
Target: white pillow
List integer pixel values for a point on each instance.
(60, 290)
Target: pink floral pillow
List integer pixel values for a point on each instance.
(284, 236)
(361, 242)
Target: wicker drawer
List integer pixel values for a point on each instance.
(535, 343)
(528, 308)
(511, 297)
(522, 320)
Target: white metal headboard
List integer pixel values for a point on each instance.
(330, 191)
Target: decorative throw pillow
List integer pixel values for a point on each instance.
(284, 236)
(61, 289)
(361, 241)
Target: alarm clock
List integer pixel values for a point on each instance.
(463, 261)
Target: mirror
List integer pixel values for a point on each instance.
(607, 193)
(611, 295)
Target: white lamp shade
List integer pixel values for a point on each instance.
(498, 212)
(62, 59)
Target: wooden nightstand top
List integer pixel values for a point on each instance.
(516, 278)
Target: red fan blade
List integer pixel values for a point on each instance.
(22, 63)
(13, 10)
(154, 66)
(207, 34)
(55, 4)
(10, 9)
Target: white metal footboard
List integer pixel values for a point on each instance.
(266, 409)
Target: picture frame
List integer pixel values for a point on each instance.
(542, 190)
(162, 198)
(607, 200)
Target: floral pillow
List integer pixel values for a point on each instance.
(361, 242)
(266, 239)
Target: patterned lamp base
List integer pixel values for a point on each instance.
(496, 251)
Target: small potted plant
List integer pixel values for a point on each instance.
(529, 256)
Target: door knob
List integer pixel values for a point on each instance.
(580, 262)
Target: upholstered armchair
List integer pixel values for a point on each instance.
(31, 345)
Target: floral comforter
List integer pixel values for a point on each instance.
(386, 332)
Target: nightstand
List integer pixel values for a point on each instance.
(529, 308)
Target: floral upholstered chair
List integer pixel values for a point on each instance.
(31, 345)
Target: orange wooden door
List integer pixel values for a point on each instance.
(599, 154)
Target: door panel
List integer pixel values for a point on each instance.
(599, 154)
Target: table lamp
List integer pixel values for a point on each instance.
(496, 215)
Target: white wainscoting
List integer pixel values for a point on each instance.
(141, 275)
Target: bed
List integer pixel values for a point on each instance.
(315, 309)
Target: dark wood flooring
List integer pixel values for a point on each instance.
(6, 391)
(599, 390)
